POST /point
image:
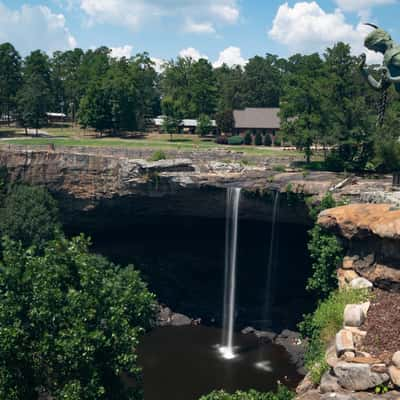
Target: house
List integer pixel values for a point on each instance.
(56, 117)
(263, 120)
(186, 125)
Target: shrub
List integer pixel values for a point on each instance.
(282, 394)
(321, 326)
(258, 141)
(235, 140)
(267, 140)
(277, 141)
(279, 168)
(158, 156)
(71, 323)
(248, 138)
(29, 215)
(204, 125)
(221, 140)
(326, 253)
(387, 155)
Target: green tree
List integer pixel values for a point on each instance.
(351, 123)
(225, 121)
(35, 96)
(204, 125)
(262, 82)
(29, 215)
(304, 108)
(71, 323)
(10, 78)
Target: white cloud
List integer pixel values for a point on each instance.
(199, 27)
(307, 28)
(231, 56)
(133, 13)
(159, 64)
(192, 53)
(361, 5)
(35, 27)
(120, 52)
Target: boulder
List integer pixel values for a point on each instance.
(345, 276)
(396, 359)
(358, 377)
(337, 396)
(180, 320)
(331, 357)
(365, 307)
(379, 368)
(394, 373)
(361, 283)
(248, 330)
(344, 342)
(354, 315)
(329, 383)
(305, 385)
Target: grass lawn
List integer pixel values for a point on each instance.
(69, 136)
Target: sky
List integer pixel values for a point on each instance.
(230, 31)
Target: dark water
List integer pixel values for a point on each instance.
(182, 259)
(184, 364)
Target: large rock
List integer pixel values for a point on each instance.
(344, 342)
(362, 220)
(329, 383)
(394, 373)
(396, 359)
(358, 377)
(354, 315)
(361, 283)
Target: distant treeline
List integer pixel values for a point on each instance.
(323, 99)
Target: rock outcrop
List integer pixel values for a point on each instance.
(371, 235)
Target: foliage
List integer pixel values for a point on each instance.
(10, 78)
(34, 98)
(235, 140)
(282, 394)
(258, 140)
(315, 209)
(326, 252)
(29, 215)
(221, 139)
(158, 156)
(248, 138)
(267, 140)
(321, 326)
(71, 323)
(204, 125)
(225, 121)
(170, 125)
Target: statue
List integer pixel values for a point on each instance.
(381, 42)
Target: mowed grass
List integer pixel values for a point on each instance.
(69, 136)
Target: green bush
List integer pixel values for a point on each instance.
(29, 215)
(158, 156)
(321, 326)
(248, 138)
(70, 323)
(258, 141)
(235, 140)
(282, 394)
(277, 141)
(267, 140)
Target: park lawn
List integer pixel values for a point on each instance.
(152, 143)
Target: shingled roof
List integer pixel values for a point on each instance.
(257, 118)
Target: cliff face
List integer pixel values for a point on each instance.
(118, 183)
(371, 233)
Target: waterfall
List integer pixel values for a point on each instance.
(231, 235)
(272, 261)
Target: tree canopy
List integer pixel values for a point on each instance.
(70, 324)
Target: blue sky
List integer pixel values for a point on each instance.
(222, 30)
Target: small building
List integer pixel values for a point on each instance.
(55, 117)
(263, 120)
(186, 125)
